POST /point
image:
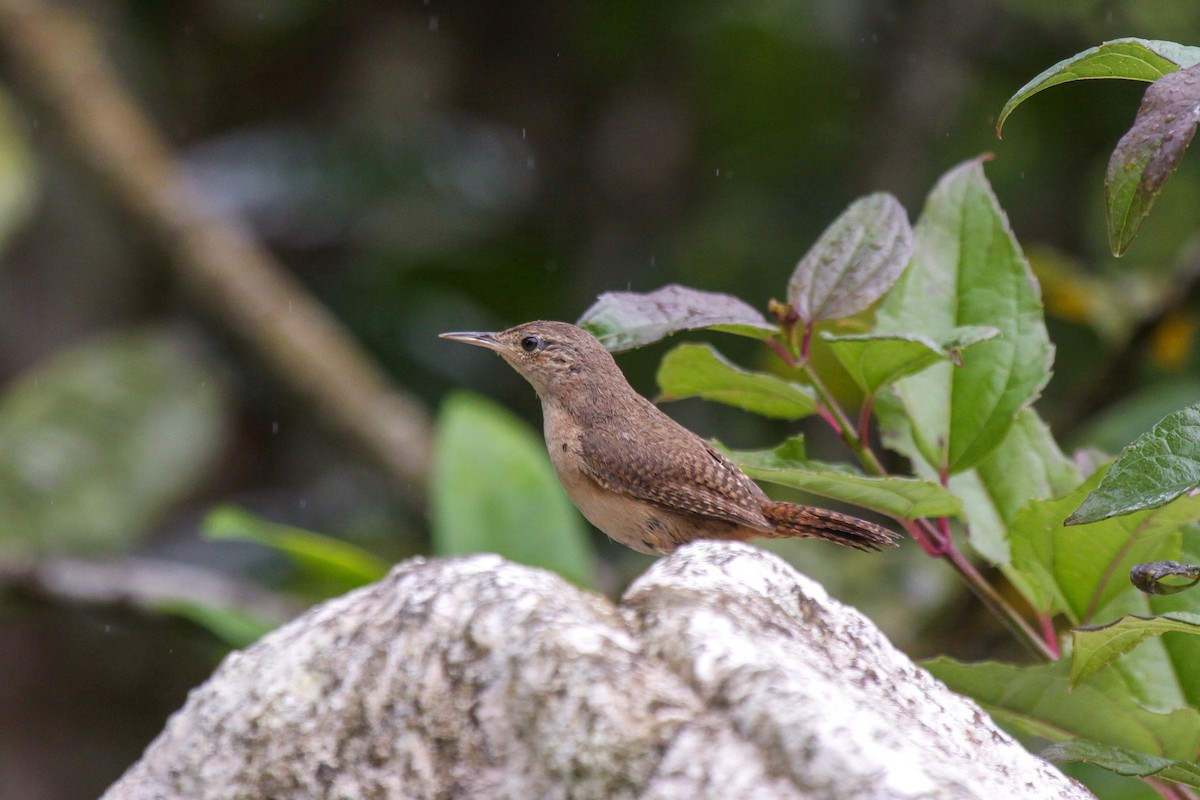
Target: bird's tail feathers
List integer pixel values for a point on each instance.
(792, 519)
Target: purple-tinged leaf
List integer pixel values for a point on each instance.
(856, 260)
(624, 320)
(1147, 155)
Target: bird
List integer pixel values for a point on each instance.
(634, 472)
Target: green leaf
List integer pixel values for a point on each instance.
(330, 566)
(1037, 700)
(901, 498)
(1148, 154)
(875, 360)
(624, 320)
(1097, 646)
(968, 270)
(1028, 465)
(1155, 469)
(1081, 569)
(1124, 761)
(697, 370)
(494, 490)
(100, 441)
(856, 260)
(1129, 59)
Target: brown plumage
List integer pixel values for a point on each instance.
(634, 472)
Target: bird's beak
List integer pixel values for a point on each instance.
(479, 338)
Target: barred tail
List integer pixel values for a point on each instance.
(791, 519)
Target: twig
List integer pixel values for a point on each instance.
(221, 266)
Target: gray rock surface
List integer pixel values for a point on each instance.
(722, 674)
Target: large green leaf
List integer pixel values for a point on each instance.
(876, 360)
(1124, 761)
(1148, 154)
(1028, 465)
(1130, 59)
(1158, 467)
(967, 269)
(100, 441)
(330, 566)
(1096, 646)
(1081, 569)
(1037, 700)
(624, 320)
(494, 490)
(697, 370)
(856, 260)
(901, 498)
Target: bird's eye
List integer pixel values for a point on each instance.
(532, 344)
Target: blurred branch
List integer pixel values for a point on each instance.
(216, 260)
(143, 583)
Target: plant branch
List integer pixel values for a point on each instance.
(219, 264)
(936, 541)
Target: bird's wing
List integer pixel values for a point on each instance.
(694, 478)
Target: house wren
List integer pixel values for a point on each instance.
(634, 472)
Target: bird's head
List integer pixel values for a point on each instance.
(553, 356)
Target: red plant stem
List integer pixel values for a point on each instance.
(1171, 791)
(806, 342)
(782, 352)
(1048, 634)
(864, 419)
(830, 419)
(992, 600)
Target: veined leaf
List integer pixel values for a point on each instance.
(856, 260)
(875, 360)
(697, 370)
(1158, 467)
(1130, 59)
(1124, 761)
(1028, 465)
(494, 490)
(967, 269)
(901, 498)
(1037, 700)
(1096, 646)
(624, 320)
(1081, 569)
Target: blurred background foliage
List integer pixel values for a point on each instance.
(427, 166)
